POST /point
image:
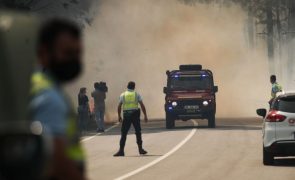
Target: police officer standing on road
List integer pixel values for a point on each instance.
(131, 115)
(275, 88)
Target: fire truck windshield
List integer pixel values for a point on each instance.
(190, 82)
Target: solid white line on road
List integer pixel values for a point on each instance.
(91, 137)
(244, 126)
(178, 146)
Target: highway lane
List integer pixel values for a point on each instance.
(231, 151)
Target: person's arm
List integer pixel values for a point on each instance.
(79, 102)
(104, 96)
(49, 111)
(144, 111)
(87, 103)
(280, 88)
(119, 111)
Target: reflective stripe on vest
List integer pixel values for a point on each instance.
(39, 83)
(130, 100)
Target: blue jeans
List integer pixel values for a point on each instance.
(99, 115)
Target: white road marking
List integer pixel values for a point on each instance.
(178, 146)
(91, 137)
(245, 126)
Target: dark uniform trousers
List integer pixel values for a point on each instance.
(131, 117)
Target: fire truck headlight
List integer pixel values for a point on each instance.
(174, 104)
(205, 103)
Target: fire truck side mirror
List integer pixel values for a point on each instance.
(215, 89)
(165, 90)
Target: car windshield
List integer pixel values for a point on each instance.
(285, 104)
(191, 82)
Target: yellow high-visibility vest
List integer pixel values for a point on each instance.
(130, 100)
(74, 151)
(275, 89)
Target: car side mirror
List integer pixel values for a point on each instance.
(165, 90)
(215, 89)
(261, 112)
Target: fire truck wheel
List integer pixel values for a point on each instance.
(211, 120)
(170, 121)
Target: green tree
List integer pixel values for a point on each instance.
(274, 19)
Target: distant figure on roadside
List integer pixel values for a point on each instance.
(275, 88)
(83, 110)
(99, 96)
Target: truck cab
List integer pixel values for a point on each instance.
(190, 94)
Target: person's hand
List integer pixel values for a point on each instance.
(120, 119)
(145, 119)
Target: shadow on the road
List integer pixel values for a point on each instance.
(141, 156)
(285, 162)
(234, 127)
(178, 128)
(224, 124)
(233, 124)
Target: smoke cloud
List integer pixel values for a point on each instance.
(140, 40)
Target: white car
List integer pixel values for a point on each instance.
(279, 128)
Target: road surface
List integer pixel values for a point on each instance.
(191, 151)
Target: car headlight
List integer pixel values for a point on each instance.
(205, 103)
(174, 104)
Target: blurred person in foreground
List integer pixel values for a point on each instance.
(59, 52)
(99, 96)
(83, 110)
(275, 88)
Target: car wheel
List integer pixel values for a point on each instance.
(211, 121)
(170, 121)
(268, 157)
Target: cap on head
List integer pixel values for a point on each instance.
(131, 85)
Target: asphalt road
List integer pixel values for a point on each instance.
(191, 151)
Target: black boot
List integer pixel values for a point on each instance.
(141, 150)
(120, 153)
